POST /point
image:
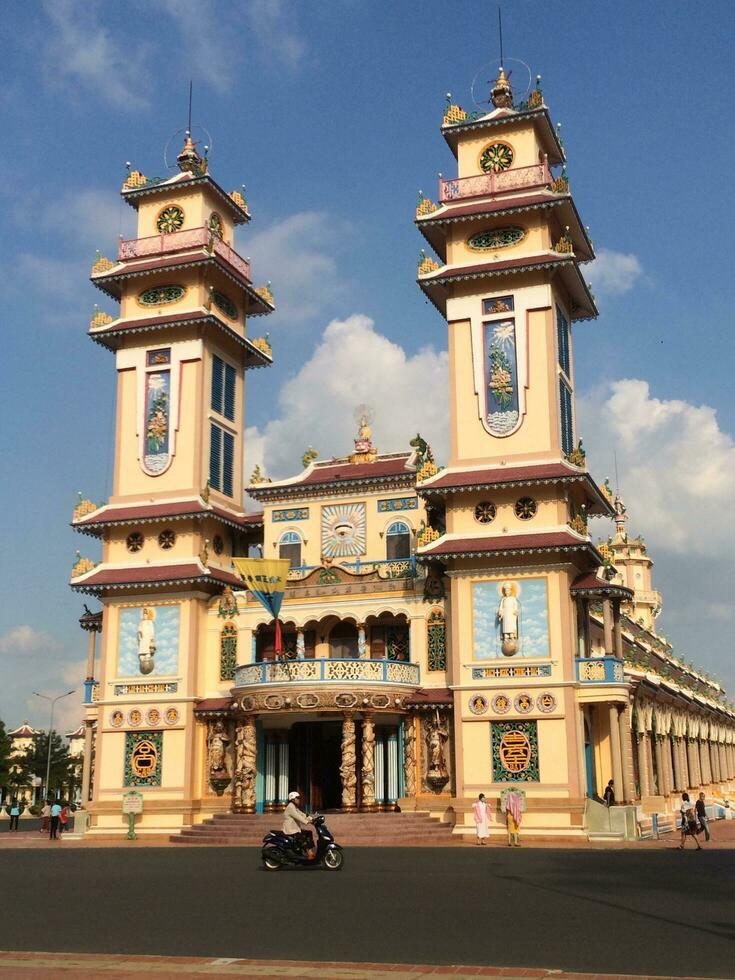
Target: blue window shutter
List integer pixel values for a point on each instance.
(215, 456)
(217, 371)
(228, 459)
(229, 409)
(567, 420)
(562, 335)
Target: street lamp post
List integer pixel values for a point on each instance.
(50, 733)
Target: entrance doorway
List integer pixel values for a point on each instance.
(589, 763)
(315, 753)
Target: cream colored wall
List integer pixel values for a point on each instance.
(520, 136)
(537, 239)
(376, 524)
(553, 511)
(197, 203)
(114, 549)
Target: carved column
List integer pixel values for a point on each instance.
(678, 784)
(283, 788)
(626, 755)
(617, 763)
(617, 631)
(583, 627)
(643, 764)
(300, 644)
(409, 756)
(391, 748)
(348, 765)
(721, 749)
(714, 762)
(704, 762)
(607, 626)
(246, 756)
(87, 763)
(660, 774)
(269, 787)
(691, 760)
(684, 761)
(368, 763)
(380, 770)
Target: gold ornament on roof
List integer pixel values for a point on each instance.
(577, 457)
(579, 524)
(83, 508)
(365, 451)
(257, 476)
(101, 264)
(309, 456)
(189, 160)
(263, 345)
(606, 552)
(606, 491)
(239, 199)
(453, 113)
(426, 534)
(502, 94)
(100, 318)
(560, 184)
(426, 264)
(266, 293)
(134, 179)
(424, 205)
(82, 565)
(565, 243)
(535, 99)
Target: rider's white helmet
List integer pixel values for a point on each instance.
(293, 796)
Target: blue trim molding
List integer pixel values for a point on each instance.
(391, 504)
(293, 514)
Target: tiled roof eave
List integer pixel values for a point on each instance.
(489, 553)
(196, 260)
(96, 528)
(90, 588)
(132, 194)
(265, 492)
(99, 335)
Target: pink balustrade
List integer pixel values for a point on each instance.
(487, 185)
(180, 241)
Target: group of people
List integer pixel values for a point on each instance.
(694, 820)
(512, 809)
(54, 818)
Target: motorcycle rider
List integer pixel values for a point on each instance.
(295, 823)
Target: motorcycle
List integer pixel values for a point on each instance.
(280, 850)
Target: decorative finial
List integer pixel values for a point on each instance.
(501, 95)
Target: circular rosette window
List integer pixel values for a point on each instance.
(161, 295)
(485, 512)
(496, 157)
(170, 219)
(496, 238)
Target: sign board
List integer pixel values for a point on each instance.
(132, 803)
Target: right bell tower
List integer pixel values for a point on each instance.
(509, 513)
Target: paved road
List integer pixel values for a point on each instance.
(657, 912)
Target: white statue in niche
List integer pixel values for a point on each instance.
(509, 618)
(146, 639)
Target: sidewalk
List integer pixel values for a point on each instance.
(723, 838)
(87, 966)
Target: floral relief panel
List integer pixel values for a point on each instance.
(501, 376)
(510, 618)
(157, 421)
(148, 641)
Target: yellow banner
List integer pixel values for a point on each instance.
(263, 576)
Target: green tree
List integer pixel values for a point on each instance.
(33, 763)
(6, 744)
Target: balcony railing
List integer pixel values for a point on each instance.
(179, 241)
(487, 185)
(323, 671)
(600, 670)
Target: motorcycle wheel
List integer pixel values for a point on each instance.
(333, 860)
(270, 862)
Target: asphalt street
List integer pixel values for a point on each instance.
(662, 912)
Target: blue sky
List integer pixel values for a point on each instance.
(328, 112)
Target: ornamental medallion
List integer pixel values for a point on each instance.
(143, 758)
(160, 296)
(546, 702)
(496, 157)
(478, 704)
(485, 241)
(343, 530)
(170, 219)
(514, 747)
(523, 703)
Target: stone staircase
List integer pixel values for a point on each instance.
(349, 829)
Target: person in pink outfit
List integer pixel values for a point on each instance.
(513, 813)
(481, 813)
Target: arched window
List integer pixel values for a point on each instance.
(398, 541)
(290, 547)
(227, 652)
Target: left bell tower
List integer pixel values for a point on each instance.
(175, 517)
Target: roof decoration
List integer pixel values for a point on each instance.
(309, 456)
(502, 94)
(101, 264)
(424, 205)
(134, 179)
(426, 534)
(100, 318)
(82, 565)
(560, 184)
(565, 243)
(365, 451)
(453, 113)
(239, 198)
(426, 264)
(425, 465)
(266, 293)
(258, 476)
(263, 344)
(189, 160)
(83, 507)
(24, 731)
(577, 457)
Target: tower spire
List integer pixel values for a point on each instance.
(501, 95)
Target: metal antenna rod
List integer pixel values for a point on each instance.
(190, 88)
(500, 31)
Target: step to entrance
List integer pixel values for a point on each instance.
(349, 829)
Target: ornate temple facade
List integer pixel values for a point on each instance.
(446, 630)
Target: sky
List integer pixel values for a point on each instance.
(329, 113)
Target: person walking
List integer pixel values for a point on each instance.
(14, 812)
(513, 811)
(45, 817)
(63, 818)
(55, 814)
(688, 822)
(701, 810)
(481, 813)
(609, 794)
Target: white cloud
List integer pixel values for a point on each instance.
(81, 53)
(90, 219)
(676, 465)
(353, 364)
(291, 253)
(211, 52)
(274, 25)
(612, 273)
(26, 640)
